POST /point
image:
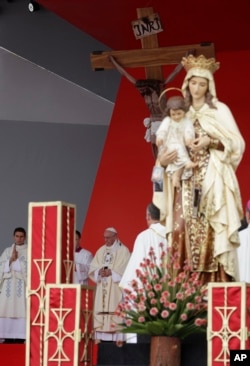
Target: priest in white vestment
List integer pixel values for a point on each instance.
(13, 278)
(151, 237)
(243, 251)
(82, 260)
(106, 271)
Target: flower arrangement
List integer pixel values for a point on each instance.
(165, 299)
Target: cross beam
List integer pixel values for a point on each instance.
(148, 57)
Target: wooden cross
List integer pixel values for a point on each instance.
(150, 56)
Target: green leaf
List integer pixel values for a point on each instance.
(155, 327)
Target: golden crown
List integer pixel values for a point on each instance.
(200, 62)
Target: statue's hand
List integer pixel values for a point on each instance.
(166, 157)
(200, 143)
(159, 142)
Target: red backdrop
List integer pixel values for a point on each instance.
(122, 187)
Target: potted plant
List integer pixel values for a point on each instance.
(165, 301)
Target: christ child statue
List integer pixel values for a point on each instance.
(175, 133)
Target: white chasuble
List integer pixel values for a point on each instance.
(108, 294)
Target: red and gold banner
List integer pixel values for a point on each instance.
(51, 232)
(228, 320)
(62, 332)
(68, 329)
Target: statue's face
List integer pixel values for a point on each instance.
(198, 87)
(176, 114)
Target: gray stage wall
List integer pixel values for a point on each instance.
(45, 162)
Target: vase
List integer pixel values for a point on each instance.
(165, 351)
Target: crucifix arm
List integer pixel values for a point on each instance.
(178, 68)
(173, 74)
(121, 70)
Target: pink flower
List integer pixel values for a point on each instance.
(162, 299)
(176, 265)
(153, 301)
(182, 275)
(164, 314)
(165, 293)
(141, 307)
(128, 322)
(117, 312)
(190, 306)
(203, 321)
(134, 283)
(148, 286)
(154, 311)
(199, 322)
(166, 304)
(141, 319)
(127, 307)
(157, 287)
(127, 291)
(198, 299)
(179, 295)
(201, 306)
(151, 251)
(178, 279)
(183, 317)
(151, 294)
(172, 306)
(196, 283)
(138, 272)
(189, 292)
(187, 268)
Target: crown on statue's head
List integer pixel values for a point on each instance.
(200, 62)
